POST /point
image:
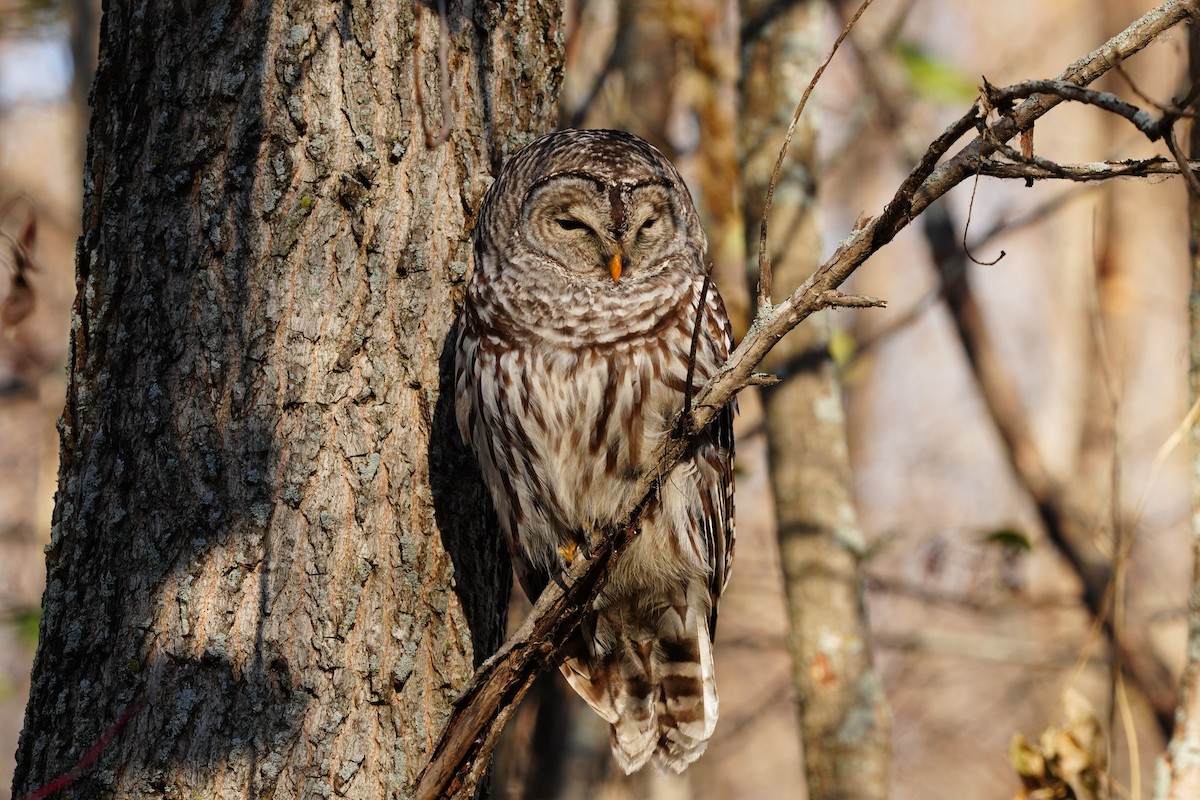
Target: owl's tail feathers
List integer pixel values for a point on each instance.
(687, 703)
(660, 696)
(619, 686)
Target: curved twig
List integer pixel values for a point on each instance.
(764, 263)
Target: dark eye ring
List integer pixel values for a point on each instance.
(570, 224)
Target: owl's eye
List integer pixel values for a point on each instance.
(568, 224)
(648, 224)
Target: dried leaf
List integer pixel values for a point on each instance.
(1027, 150)
(1070, 760)
(1026, 760)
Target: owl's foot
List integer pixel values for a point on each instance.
(568, 551)
(560, 578)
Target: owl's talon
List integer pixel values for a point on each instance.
(561, 580)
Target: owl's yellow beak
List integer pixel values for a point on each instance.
(614, 266)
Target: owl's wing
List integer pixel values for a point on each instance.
(715, 463)
(470, 413)
(466, 347)
(718, 524)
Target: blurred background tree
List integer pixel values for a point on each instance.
(993, 507)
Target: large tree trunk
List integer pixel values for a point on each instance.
(271, 559)
(844, 720)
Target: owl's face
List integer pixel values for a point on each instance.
(586, 235)
(602, 234)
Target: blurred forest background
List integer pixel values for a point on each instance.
(984, 562)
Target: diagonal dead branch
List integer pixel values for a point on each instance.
(461, 755)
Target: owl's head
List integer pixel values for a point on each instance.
(602, 208)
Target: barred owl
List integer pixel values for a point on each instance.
(571, 363)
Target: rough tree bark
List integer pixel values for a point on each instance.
(844, 718)
(270, 557)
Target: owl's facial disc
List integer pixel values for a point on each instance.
(602, 232)
(566, 220)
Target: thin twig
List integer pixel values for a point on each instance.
(1185, 167)
(1031, 216)
(764, 262)
(1040, 168)
(967, 227)
(1164, 109)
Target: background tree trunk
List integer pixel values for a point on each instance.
(844, 719)
(270, 555)
(1179, 767)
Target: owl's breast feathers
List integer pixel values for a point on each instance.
(562, 433)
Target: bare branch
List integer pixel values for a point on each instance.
(461, 756)
(1044, 169)
(1065, 90)
(1083, 71)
